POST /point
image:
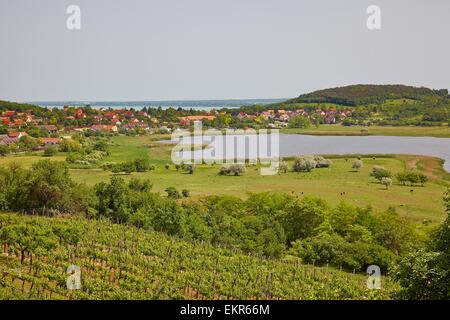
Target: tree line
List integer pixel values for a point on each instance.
(270, 224)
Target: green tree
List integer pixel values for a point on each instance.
(50, 185)
(172, 193)
(379, 172)
(301, 219)
(357, 164)
(387, 182)
(4, 150)
(50, 151)
(299, 122)
(304, 164)
(425, 274)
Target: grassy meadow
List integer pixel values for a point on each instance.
(334, 184)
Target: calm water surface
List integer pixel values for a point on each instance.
(296, 144)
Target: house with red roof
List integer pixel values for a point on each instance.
(51, 141)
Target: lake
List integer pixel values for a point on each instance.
(204, 105)
(296, 144)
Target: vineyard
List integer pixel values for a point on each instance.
(122, 262)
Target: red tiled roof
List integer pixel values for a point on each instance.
(51, 140)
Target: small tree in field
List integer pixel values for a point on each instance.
(379, 172)
(304, 164)
(283, 167)
(172, 193)
(387, 182)
(50, 151)
(190, 168)
(4, 150)
(237, 169)
(357, 164)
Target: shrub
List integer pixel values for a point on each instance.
(357, 164)
(413, 177)
(387, 182)
(335, 250)
(85, 158)
(321, 162)
(70, 145)
(235, 169)
(190, 168)
(379, 172)
(224, 170)
(283, 167)
(50, 151)
(172, 193)
(4, 150)
(299, 122)
(304, 164)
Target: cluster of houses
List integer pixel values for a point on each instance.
(13, 119)
(185, 121)
(111, 121)
(122, 120)
(330, 116)
(15, 136)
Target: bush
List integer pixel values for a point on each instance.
(190, 168)
(143, 165)
(357, 164)
(224, 170)
(304, 164)
(234, 169)
(4, 150)
(387, 182)
(50, 151)
(379, 172)
(283, 167)
(85, 158)
(321, 162)
(185, 193)
(172, 193)
(138, 165)
(333, 249)
(299, 122)
(413, 177)
(70, 145)
(237, 169)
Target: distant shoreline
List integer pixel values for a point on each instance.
(164, 104)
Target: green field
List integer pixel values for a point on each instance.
(335, 130)
(328, 183)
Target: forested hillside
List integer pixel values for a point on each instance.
(363, 94)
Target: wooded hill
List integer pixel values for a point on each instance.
(363, 94)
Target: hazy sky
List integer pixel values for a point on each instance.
(216, 49)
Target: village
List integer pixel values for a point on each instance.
(49, 126)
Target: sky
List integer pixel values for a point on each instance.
(134, 50)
